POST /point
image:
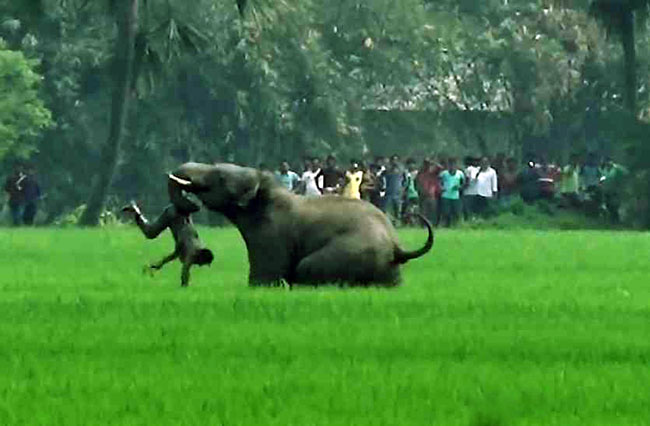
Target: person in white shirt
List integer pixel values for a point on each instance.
(486, 186)
(470, 193)
(309, 180)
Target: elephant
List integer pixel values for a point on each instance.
(296, 239)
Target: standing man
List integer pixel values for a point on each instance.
(528, 182)
(470, 193)
(375, 186)
(570, 182)
(486, 186)
(394, 189)
(14, 189)
(411, 196)
(382, 166)
(287, 178)
(368, 182)
(612, 185)
(308, 179)
(428, 186)
(331, 176)
(452, 181)
(590, 179)
(31, 195)
(353, 178)
(508, 183)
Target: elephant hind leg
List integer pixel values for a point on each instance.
(342, 261)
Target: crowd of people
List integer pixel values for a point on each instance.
(445, 190)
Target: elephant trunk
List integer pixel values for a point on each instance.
(402, 256)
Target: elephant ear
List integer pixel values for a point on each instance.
(243, 186)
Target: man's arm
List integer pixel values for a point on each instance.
(297, 183)
(158, 265)
(185, 274)
(319, 180)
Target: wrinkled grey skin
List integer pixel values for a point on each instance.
(301, 240)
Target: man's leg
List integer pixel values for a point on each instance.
(455, 211)
(151, 229)
(443, 212)
(15, 214)
(29, 213)
(394, 208)
(430, 209)
(480, 206)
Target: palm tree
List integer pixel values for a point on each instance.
(134, 56)
(618, 17)
(126, 17)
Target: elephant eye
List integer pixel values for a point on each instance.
(219, 180)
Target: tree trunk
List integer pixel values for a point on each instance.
(127, 25)
(629, 50)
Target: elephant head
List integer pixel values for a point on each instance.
(221, 187)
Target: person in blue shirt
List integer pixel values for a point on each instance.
(287, 178)
(452, 181)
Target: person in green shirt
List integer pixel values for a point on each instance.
(452, 181)
(612, 187)
(570, 183)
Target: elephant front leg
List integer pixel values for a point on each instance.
(266, 279)
(269, 272)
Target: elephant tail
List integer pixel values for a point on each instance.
(402, 256)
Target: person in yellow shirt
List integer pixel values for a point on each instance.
(353, 178)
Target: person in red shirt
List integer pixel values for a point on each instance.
(428, 185)
(508, 184)
(548, 176)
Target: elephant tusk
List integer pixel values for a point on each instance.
(180, 181)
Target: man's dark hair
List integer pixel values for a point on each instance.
(203, 257)
(331, 157)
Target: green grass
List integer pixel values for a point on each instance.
(492, 328)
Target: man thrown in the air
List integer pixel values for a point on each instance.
(188, 246)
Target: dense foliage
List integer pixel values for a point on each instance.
(285, 79)
(22, 113)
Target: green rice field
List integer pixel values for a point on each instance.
(491, 328)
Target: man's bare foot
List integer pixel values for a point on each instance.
(148, 270)
(132, 207)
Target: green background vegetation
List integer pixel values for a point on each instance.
(285, 79)
(491, 328)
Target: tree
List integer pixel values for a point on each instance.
(126, 17)
(22, 113)
(618, 17)
(134, 50)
